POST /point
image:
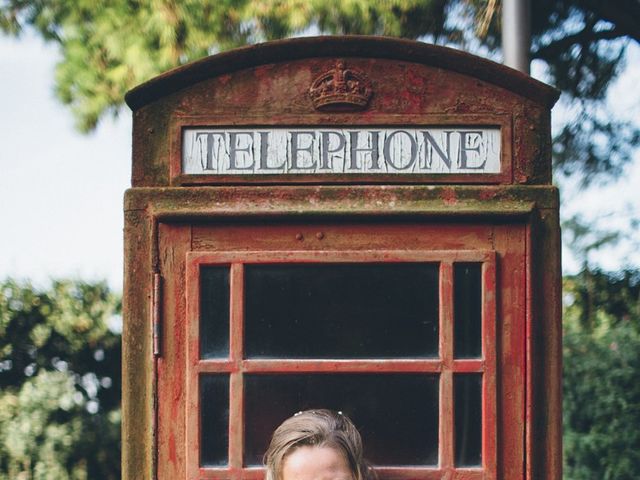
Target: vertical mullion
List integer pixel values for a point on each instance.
(192, 422)
(236, 314)
(447, 443)
(489, 392)
(236, 341)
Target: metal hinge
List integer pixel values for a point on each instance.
(156, 314)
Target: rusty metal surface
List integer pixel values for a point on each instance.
(340, 88)
(138, 372)
(264, 219)
(345, 201)
(169, 215)
(457, 242)
(341, 46)
(422, 85)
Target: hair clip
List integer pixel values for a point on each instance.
(298, 413)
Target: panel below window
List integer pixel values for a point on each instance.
(341, 310)
(397, 414)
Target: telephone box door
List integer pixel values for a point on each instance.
(401, 326)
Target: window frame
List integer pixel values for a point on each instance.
(444, 365)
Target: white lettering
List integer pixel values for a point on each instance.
(427, 150)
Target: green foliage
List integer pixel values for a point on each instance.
(582, 44)
(601, 300)
(110, 47)
(59, 382)
(602, 376)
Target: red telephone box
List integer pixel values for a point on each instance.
(355, 223)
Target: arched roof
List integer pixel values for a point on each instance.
(341, 46)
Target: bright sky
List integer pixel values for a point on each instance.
(61, 192)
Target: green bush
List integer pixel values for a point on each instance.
(602, 377)
(59, 382)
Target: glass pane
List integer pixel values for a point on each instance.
(397, 414)
(214, 420)
(467, 307)
(468, 418)
(214, 312)
(341, 311)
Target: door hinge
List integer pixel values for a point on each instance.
(156, 314)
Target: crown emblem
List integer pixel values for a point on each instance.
(340, 89)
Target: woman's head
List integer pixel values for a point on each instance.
(315, 436)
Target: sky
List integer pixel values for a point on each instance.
(61, 191)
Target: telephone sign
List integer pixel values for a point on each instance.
(357, 151)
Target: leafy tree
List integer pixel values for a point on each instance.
(59, 382)
(109, 47)
(582, 43)
(601, 318)
(602, 375)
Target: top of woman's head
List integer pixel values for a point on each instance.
(320, 428)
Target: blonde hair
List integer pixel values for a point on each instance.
(322, 428)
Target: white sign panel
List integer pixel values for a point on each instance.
(295, 151)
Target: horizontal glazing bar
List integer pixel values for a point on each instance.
(468, 366)
(345, 256)
(418, 473)
(371, 366)
(217, 366)
(288, 366)
(397, 473)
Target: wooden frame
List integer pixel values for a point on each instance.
(445, 365)
(215, 224)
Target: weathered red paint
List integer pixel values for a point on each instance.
(508, 221)
(449, 196)
(243, 237)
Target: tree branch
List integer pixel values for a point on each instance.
(624, 14)
(557, 47)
